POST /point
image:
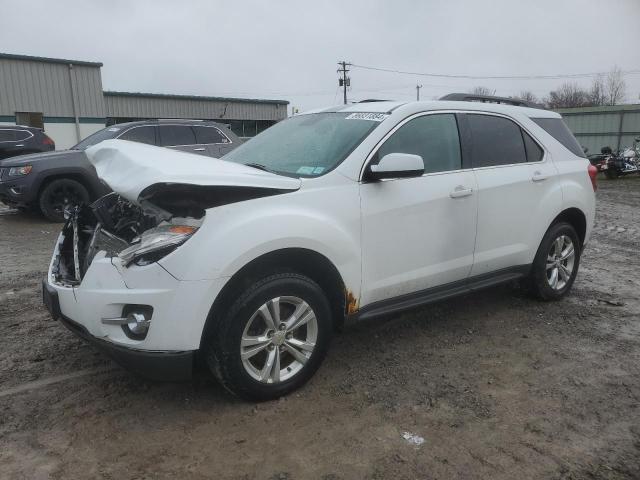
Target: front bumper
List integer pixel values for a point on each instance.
(180, 309)
(167, 366)
(16, 192)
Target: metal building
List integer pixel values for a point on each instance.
(65, 97)
(615, 126)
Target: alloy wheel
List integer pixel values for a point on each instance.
(560, 262)
(279, 339)
(63, 196)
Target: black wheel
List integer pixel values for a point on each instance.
(272, 339)
(556, 263)
(59, 194)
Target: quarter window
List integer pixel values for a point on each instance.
(174, 135)
(534, 152)
(495, 141)
(141, 135)
(209, 135)
(433, 137)
(559, 130)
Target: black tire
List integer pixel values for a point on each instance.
(57, 193)
(611, 173)
(223, 344)
(538, 282)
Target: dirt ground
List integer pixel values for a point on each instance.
(499, 386)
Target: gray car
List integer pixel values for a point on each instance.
(50, 181)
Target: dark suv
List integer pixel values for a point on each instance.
(50, 181)
(20, 140)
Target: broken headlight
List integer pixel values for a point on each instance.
(154, 244)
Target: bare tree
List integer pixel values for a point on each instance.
(527, 96)
(616, 87)
(597, 94)
(566, 96)
(482, 91)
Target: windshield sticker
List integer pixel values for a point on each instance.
(318, 170)
(113, 129)
(374, 117)
(305, 171)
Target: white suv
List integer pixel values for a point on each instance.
(360, 210)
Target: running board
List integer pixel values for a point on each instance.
(442, 292)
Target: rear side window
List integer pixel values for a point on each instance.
(559, 130)
(433, 137)
(495, 141)
(174, 135)
(534, 151)
(209, 135)
(141, 135)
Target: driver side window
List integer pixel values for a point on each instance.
(433, 137)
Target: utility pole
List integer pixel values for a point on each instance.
(418, 87)
(345, 81)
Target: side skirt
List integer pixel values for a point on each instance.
(442, 292)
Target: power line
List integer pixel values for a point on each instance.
(493, 77)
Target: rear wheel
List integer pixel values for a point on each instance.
(60, 194)
(556, 263)
(272, 339)
(611, 173)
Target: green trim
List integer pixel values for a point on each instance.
(193, 97)
(8, 118)
(29, 58)
(99, 120)
(633, 107)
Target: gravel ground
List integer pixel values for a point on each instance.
(492, 385)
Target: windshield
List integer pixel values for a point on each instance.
(100, 135)
(306, 145)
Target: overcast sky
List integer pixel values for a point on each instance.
(290, 49)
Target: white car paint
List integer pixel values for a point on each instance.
(129, 167)
(385, 239)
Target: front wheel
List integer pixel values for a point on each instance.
(60, 194)
(272, 339)
(556, 263)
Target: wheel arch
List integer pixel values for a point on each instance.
(73, 175)
(576, 218)
(295, 260)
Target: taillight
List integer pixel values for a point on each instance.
(593, 175)
(47, 141)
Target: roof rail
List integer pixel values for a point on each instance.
(370, 100)
(471, 97)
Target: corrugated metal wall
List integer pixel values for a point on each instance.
(596, 127)
(141, 106)
(37, 86)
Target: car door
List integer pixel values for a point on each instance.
(180, 137)
(516, 182)
(419, 233)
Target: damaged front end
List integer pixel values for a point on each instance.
(121, 230)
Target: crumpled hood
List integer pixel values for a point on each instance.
(131, 168)
(33, 158)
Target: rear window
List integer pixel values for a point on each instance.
(559, 130)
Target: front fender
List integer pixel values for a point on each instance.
(233, 235)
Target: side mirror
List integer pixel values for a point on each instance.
(396, 165)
